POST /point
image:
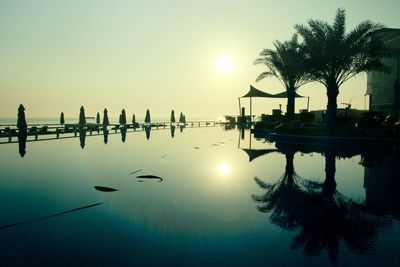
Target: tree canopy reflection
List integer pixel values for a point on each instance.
(323, 216)
(284, 198)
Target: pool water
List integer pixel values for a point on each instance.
(224, 198)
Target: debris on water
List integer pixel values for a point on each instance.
(135, 172)
(49, 216)
(140, 181)
(215, 144)
(163, 156)
(196, 147)
(149, 176)
(105, 189)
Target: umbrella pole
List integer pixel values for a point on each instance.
(239, 140)
(250, 141)
(251, 112)
(240, 107)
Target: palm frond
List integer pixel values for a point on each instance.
(339, 24)
(331, 54)
(285, 62)
(263, 75)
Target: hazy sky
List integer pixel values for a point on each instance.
(58, 55)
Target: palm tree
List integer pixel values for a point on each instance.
(333, 57)
(286, 64)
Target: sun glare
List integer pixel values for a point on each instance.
(225, 65)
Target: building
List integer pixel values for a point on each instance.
(384, 89)
(381, 183)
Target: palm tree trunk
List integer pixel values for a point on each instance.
(329, 187)
(289, 170)
(331, 109)
(290, 104)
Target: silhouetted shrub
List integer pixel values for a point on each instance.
(33, 129)
(265, 125)
(390, 120)
(397, 127)
(44, 129)
(288, 128)
(307, 117)
(340, 120)
(371, 119)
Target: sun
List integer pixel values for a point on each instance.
(225, 65)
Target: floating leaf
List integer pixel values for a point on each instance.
(150, 177)
(105, 189)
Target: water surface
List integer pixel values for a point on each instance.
(224, 199)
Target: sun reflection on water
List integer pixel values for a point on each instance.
(224, 169)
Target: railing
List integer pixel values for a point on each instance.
(9, 131)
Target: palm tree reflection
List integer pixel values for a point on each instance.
(285, 198)
(322, 214)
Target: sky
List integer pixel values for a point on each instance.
(57, 55)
